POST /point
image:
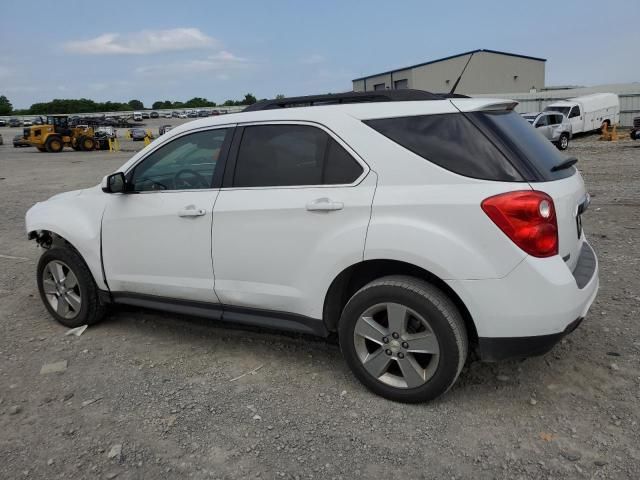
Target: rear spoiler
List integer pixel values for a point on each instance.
(483, 105)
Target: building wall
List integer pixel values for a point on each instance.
(487, 72)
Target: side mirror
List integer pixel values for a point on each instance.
(114, 183)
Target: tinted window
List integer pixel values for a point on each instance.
(521, 143)
(188, 162)
(450, 141)
(280, 155)
(341, 168)
(575, 112)
(555, 119)
(287, 155)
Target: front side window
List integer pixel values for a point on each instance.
(292, 155)
(575, 112)
(186, 163)
(543, 121)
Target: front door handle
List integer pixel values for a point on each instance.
(324, 205)
(191, 211)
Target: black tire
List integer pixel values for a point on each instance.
(445, 322)
(86, 143)
(54, 144)
(563, 142)
(91, 310)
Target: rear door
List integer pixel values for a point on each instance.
(294, 208)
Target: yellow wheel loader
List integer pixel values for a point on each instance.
(55, 134)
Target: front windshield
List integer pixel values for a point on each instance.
(563, 110)
(530, 118)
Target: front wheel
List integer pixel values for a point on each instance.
(67, 288)
(563, 142)
(403, 338)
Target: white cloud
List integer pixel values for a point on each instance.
(144, 42)
(313, 59)
(221, 62)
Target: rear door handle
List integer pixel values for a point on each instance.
(191, 211)
(324, 205)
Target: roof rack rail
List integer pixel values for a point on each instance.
(404, 95)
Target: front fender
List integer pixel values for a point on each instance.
(76, 217)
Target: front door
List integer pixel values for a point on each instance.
(156, 239)
(297, 208)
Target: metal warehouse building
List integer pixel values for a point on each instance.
(488, 71)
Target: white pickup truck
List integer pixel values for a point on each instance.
(589, 112)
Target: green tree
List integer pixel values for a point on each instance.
(5, 106)
(136, 105)
(249, 99)
(280, 96)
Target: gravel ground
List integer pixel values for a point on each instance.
(153, 395)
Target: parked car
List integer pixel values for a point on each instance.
(192, 114)
(20, 141)
(635, 131)
(137, 116)
(137, 134)
(3, 122)
(553, 125)
(27, 122)
(175, 114)
(146, 115)
(474, 241)
(166, 115)
(14, 122)
(154, 115)
(182, 115)
(589, 112)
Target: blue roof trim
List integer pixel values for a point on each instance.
(449, 58)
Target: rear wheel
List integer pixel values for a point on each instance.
(563, 142)
(403, 338)
(54, 144)
(67, 288)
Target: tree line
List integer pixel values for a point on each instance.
(85, 105)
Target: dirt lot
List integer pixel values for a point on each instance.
(152, 395)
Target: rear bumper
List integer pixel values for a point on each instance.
(529, 310)
(496, 349)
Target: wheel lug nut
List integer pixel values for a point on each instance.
(400, 355)
(387, 351)
(385, 339)
(395, 335)
(405, 345)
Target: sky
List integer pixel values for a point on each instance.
(175, 50)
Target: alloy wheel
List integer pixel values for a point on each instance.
(396, 345)
(61, 289)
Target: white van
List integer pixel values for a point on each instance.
(589, 112)
(137, 116)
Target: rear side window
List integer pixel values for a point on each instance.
(450, 141)
(292, 155)
(521, 143)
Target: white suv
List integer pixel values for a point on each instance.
(419, 228)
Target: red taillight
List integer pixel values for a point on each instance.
(528, 218)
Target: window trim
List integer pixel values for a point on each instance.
(230, 166)
(218, 173)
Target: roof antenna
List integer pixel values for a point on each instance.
(455, 85)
